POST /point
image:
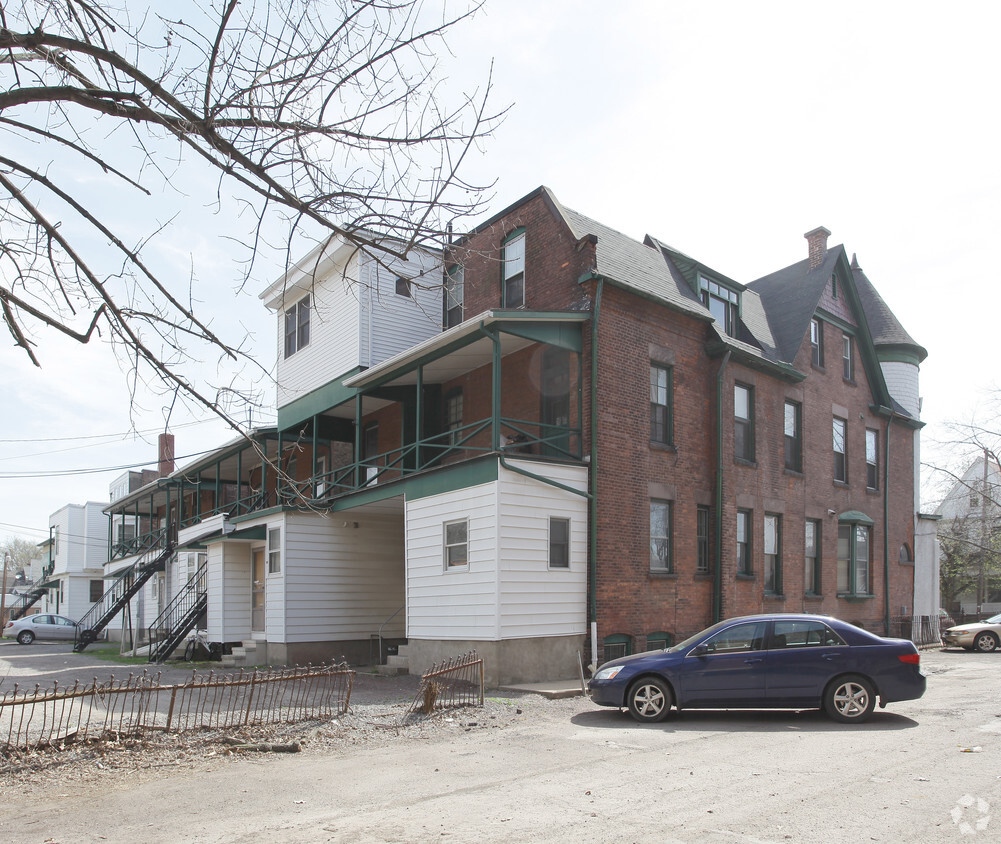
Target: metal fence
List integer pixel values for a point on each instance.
(452, 683)
(57, 716)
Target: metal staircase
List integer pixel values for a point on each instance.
(26, 602)
(179, 617)
(126, 585)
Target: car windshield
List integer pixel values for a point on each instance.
(994, 619)
(691, 640)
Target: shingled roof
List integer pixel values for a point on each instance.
(885, 328)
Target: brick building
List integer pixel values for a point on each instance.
(583, 444)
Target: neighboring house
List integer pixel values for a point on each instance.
(77, 549)
(586, 445)
(970, 534)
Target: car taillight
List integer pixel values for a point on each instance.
(910, 659)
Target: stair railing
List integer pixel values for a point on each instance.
(179, 617)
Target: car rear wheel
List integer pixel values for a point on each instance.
(850, 699)
(25, 637)
(649, 700)
(986, 642)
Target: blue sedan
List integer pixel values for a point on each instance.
(777, 661)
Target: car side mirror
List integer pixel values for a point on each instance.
(699, 650)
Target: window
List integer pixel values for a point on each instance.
(746, 636)
(322, 481)
(97, 590)
(847, 359)
(454, 293)
(834, 285)
(793, 436)
(456, 544)
(803, 634)
(721, 302)
(811, 555)
(817, 342)
(370, 451)
(554, 407)
(403, 287)
(702, 539)
(773, 554)
(743, 542)
(853, 559)
(871, 458)
(297, 327)
(658, 641)
(274, 550)
(514, 271)
(559, 543)
(661, 404)
(453, 415)
(840, 458)
(743, 422)
(617, 645)
(660, 535)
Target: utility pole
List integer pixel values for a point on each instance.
(3, 593)
(981, 578)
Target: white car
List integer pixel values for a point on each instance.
(41, 626)
(983, 636)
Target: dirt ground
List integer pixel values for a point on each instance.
(527, 768)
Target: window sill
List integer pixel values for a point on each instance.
(746, 576)
(813, 596)
(818, 367)
(850, 382)
(658, 574)
(668, 447)
(871, 491)
(793, 473)
(703, 575)
(774, 596)
(743, 461)
(853, 598)
(840, 484)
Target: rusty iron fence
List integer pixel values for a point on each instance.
(55, 716)
(453, 683)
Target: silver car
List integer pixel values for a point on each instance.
(983, 636)
(41, 626)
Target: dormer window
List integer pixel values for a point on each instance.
(297, 327)
(453, 296)
(722, 303)
(514, 270)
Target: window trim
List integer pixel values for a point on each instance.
(666, 408)
(453, 426)
(848, 357)
(745, 568)
(746, 423)
(274, 550)
(772, 580)
(872, 466)
(510, 279)
(454, 299)
(449, 566)
(841, 478)
(793, 443)
(297, 324)
(403, 287)
(851, 570)
(812, 564)
(711, 290)
(564, 566)
(817, 342)
(662, 567)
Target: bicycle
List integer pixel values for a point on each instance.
(200, 649)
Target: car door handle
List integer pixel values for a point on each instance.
(830, 657)
(752, 660)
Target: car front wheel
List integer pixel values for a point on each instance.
(649, 700)
(25, 637)
(986, 642)
(850, 699)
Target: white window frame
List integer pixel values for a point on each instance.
(514, 268)
(446, 545)
(274, 550)
(565, 565)
(297, 326)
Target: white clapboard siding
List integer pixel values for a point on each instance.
(342, 582)
(392, 323)
(534, 599)
(334, 335)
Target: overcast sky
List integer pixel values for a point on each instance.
(726, 130)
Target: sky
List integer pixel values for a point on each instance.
(725, 129)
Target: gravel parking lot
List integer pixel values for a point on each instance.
(527, 768)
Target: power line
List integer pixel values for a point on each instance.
(106, 436)
(73, 472)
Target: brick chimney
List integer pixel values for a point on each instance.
(818, 245)
(165, 452)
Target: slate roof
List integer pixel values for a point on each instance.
(885, 328)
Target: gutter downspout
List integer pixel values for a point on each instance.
(886, 529)
(718, 561)
(592, 520)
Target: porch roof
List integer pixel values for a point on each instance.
(464, 348)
